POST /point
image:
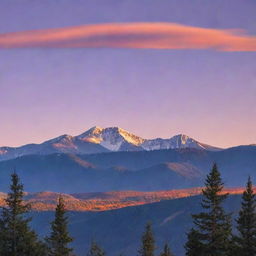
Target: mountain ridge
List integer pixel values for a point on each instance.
(136, 170)
(100, 140)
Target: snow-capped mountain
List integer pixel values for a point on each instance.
(99, 140)
(177, 141)
(112, 138)
(118, 139)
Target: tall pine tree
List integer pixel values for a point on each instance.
(246, 223)
(59, 238)
(95, 250)
(213, 225)
(17, 238)
(147, 242)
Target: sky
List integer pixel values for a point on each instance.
(154, 68)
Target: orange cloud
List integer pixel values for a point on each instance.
(131, 35)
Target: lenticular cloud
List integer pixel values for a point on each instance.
(131, 35)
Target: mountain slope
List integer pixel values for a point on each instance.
(77, 174)
(61, 144)
(137, 170)
(102, 201)
(119, 231)
(99, 140)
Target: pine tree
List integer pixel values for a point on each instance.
(166, 251)
(148, 242)
(17, 239)
(213, 224)
(194, 247)
(246, 223)
(59, 237)
(95, 250)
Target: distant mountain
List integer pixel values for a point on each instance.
(70, 173)
(119, 231)
(113, 139)
(61, 144)
(100, 140)
(136, 170)
(178, 141)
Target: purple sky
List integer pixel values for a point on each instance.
(206, 94)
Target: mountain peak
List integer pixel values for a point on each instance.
(184, 141)
(94, 130)
(60, 138)
(112, 138)
(129, 137)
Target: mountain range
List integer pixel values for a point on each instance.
(100, 140)
(104, 169)
(131, 170)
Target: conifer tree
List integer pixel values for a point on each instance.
(95, 250)
(245, 242)
(147, 242)
(213, 225)
(166, 251)
(17, 239)
(194, 247)
(59, 238)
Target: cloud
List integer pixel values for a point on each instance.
(131, 35)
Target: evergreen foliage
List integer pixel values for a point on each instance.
(17, 238)
(194, 247)
(59, 238)
(213, 226)
(245, 242)
(147, 242)
(95, 250)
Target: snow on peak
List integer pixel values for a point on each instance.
(177, 141)
(183, 138)
(184, 141)
(112, 138)
(93, 130)
(115, 139)
(131, 138)
(104, 139)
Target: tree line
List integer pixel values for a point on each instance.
(211, 234)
